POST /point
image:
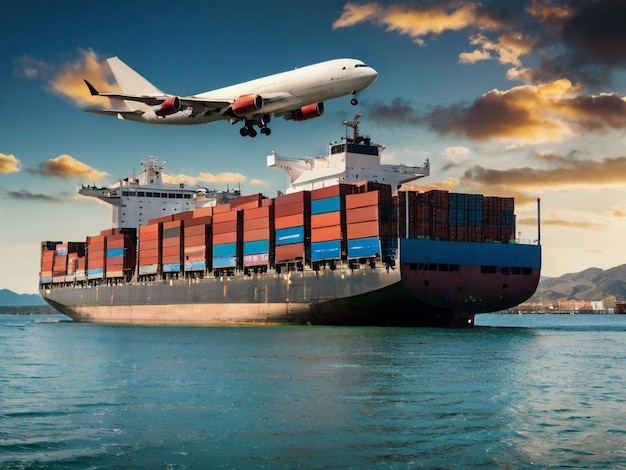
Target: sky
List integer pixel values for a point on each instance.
(523, 99)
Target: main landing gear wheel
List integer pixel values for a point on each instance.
(247, 130)
(266, 130)
(354, 101)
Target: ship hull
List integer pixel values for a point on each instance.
(446, 295)
(344, 296)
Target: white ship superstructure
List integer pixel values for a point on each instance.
(356, 158)
(137, 199)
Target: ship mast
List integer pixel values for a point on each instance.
(354, 124)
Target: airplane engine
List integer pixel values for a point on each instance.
(308, 112)
(169, 106)
(247, 104)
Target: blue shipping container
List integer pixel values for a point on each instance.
(225, 249)
(256, 247)
(289, 235)
(328, 204)
(363, 247)
(224, 262)
(325, 250)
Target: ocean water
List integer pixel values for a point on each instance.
(516, 392)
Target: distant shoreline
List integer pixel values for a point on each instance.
(27, 310)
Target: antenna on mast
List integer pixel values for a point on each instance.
(354, 124)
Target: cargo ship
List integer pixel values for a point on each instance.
(344, 244)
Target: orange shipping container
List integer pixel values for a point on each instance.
(363, 230)
(221, 238)
(202, 212)
(363, 199)
(257, 213)
(195, 230)
(362, 214)
(325, 220)
(170, 242)
(256, 224)
(221, 217)
(224, 227)
(254, 235)
(246, 202)
(324, 234)
(289, 221)
(195, 240)
(222, 208)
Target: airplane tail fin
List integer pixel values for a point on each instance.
(131, 82)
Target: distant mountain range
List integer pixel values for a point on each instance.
(591, 284)
(9, 298)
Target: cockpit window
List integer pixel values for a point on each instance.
(360, 65)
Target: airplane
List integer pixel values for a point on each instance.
(298, 95)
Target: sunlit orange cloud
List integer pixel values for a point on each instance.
(569, 223)
(528, 113)
(415, 20)
(9, 164)
(572, 173)
(548, 13)
(69, 81)
(65, 166)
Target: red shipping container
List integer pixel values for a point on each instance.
(246, 202)
(194, 230)
(326, 220)
(222, 217)
(293, 252)
(184, 216)
(330, 191)
(156, 220)
(299, 197)
(363, 230)
(291, 209)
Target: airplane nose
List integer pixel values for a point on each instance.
(373, 74)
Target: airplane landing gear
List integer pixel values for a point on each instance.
(354, 101)
(249, 130)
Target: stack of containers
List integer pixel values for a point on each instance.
(172, 246)
(499, 219)
(59, 266)
(292, 223)
(226, 237)
(120, 255)
(75, 262)
(96, 255)
(439, 214)
(150, 247)
(328, 223)
(48, 250)
(466, 217)
(258, 235)
(369, 223)
(197, 244)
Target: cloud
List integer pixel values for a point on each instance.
(581, 41)
(417, 21)
(25, 195)
(528, 113)
(9, 164)
(567, 173)
(258, 182)
(65, 166)
(67, 80)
